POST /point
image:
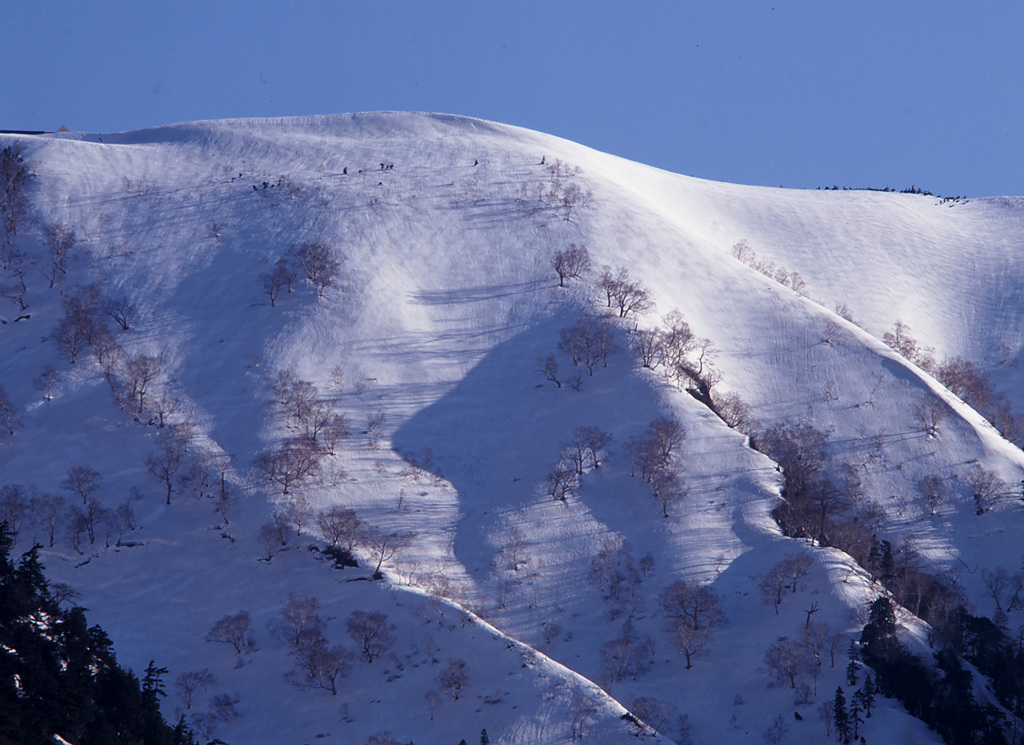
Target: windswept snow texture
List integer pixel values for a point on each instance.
(444, 303)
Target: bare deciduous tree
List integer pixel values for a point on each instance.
(48, 378)
(165, 463)
(46, 509)
(82, 481)
(8, 414)
(933, 488)
(453, 679)
(279, 279)
(191, 682)
(788, 658)
(340, 527)
(294, 461)
(299, 620)
(370, 632)
(123, 311)
(930, 414)
(60, 239)
(627, 657)
(384, 547)
(692, 611)
(233, 630)
(14, 176)
(571, 263)
(549, 366)
(986, 488)
(652, 714)
(318, 262)
(563, 481)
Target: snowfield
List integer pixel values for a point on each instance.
(428, 342)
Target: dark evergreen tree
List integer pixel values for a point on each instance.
(851, 667)
(841, 717)
(484, 739)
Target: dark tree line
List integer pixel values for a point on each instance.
(59, 676)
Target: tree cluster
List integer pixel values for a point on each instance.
(653, 457)
(745, 254)
(964, 379)
(686, 360)
(317, 429)
(623, 293)
(318, 263)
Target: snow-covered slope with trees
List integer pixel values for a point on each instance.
(418, 363)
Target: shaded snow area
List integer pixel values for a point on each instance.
(507, 609)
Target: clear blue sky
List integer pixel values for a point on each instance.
(800, 93)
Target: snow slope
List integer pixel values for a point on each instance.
(446, 300)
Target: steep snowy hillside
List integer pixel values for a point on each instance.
(261, 327)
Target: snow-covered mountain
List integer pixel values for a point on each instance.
(430, 340)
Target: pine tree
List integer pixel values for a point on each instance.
(841, 717)
(855, 720)
(866, 695)
(851, 668)
(484, 739)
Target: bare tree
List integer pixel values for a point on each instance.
(627, 657)
(319, 264)
(299, 620)
(191, 682)
(649, 347)
(986, 488)
(777, 731)
(549, 366)
(339, 526)
(581, 708)
(453, 679)
(294, 461)
(933, 488)
(773, 583)
(320, 665)
(233, 631)
(12, 282)
(733, 410)
(48, 378)
(692, 611)
(384, 546)
(47, 509)
(82, 481)
(900, 340)
(8, 414)
(652, 713)
(14, 175)
(930, 414)
(60, 239)
(123, 311)
(433, 701)
(563, 481)
(788, 658)
(165, 463)
(629, 296)
(334, 430)
(571, 263)
(138, 371)
(370, 632)
(281, 278)
(583, 342)
(592, 443)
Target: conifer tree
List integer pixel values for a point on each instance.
(841, 717)
(851, 668)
